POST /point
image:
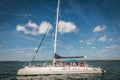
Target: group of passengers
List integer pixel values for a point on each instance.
(63, 64)
(73, 64)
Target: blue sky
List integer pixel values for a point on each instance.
(86, 27)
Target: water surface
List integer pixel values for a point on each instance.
(8, 71)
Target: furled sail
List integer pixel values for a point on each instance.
(56, 56)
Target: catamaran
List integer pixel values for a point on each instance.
(59, 68)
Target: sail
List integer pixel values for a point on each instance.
(56, 56)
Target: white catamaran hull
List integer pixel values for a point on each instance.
(58, 70)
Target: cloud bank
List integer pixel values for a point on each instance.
(110, 48)
(35, 29)
(88, 42)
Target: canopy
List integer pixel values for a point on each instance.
(56, 56)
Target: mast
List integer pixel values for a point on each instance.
(55, 42)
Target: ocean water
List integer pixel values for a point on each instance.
(8, 71)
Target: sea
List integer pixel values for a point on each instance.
(8, 71)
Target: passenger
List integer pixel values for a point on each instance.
(45, 64)
(36, 65)
(67, 63)
(74, 64)
(70, 64)
(60, 64)
(79, 64)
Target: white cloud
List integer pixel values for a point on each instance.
(33, 28)
(15, 50)
(20, 28)
(82, 51)
(32, 25)
(35, 49)
(66, 27)
(13, 14)
(28, 38)
(81, 47)
(114, 40)
(110, 48)
(93, 47)
(110, 40)
(43, 27)
(103, 38)
(99, 28)
(81, 41)
(18, 50)
(90, 41)
(69, 48)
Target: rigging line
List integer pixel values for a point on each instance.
(41, 42)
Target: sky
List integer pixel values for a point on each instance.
(88, 28)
